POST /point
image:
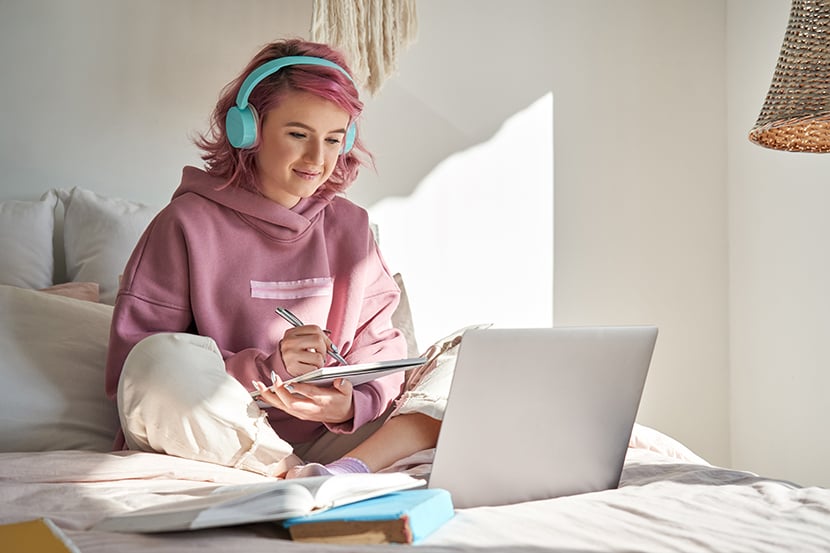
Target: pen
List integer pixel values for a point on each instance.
(256, 393)
(294, 320)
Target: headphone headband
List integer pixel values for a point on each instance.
(240, 121)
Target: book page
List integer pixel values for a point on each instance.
(275, 504)
(348, 488)
(311, 483)
(303, 495)
(223, 505)
(247, 503)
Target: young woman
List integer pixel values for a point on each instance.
(263, 226)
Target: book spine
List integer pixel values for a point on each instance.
(428, 516)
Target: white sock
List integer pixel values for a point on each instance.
(345, 465)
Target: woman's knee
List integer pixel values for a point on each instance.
(169, 365)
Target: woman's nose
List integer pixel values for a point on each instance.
(314, 152)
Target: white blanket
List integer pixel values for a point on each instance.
(668, 500)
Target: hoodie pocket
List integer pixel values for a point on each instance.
(292, 289)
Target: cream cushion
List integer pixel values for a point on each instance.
(52, 373)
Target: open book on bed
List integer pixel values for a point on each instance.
(249, 503)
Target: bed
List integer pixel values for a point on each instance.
(56, 429)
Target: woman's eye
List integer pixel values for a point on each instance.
(333, 140)
(296, 134)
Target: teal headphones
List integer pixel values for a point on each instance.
(240, 121)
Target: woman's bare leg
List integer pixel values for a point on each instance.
(399, 437)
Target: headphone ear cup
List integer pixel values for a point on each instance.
(348, 141)
(241, 126)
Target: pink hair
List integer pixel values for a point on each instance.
(239, 166)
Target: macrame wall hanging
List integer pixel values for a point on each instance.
(371, 33)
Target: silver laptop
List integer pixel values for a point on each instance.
(540, 413)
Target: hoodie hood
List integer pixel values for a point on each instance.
(267, 216)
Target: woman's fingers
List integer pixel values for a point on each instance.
(310, 402)
(303, 349)
(344, 385)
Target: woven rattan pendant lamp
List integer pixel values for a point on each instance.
(796, 114)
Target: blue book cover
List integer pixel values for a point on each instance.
(399, 517)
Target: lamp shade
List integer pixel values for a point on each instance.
(796, 113)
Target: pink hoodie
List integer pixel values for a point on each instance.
(217, 262)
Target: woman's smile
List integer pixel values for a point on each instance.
(306, 174)
(301, 142)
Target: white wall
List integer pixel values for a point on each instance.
(640, 167)
(472, 258)
(779, 271)
(102, 94)
(106, 94)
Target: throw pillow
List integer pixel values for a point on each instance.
(99, 234)
(26, 253)
(52, 370)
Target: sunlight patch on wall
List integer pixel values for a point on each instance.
(474, 242)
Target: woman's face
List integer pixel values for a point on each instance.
(301, 140)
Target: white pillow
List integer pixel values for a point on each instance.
(99, 234)
(52, 373)
(402, 319)
(26, 254)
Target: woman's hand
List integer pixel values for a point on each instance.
(328, 404)
(303, 349)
